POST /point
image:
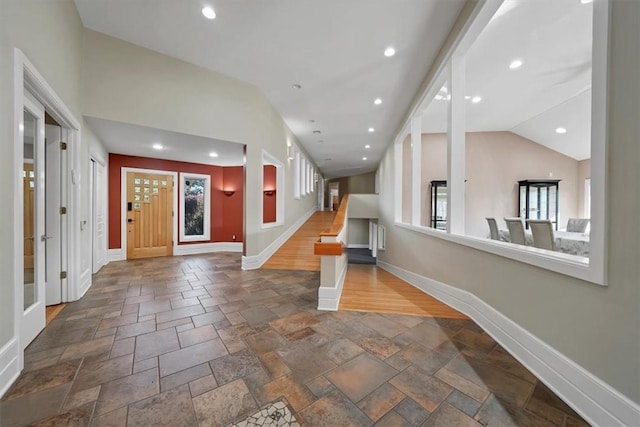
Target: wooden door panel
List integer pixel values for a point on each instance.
(150, 220)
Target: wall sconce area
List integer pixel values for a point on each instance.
(269, 192)
(228, 192)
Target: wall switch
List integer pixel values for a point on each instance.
(234, 237)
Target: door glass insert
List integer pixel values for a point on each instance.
(29, 211)
(194, 207)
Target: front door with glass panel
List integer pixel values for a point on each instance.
(149, 215)
(32, 287)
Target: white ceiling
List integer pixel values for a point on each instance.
(552, 88)
(133, 140)
(332, 48)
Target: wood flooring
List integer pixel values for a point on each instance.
(366, 288)
(371, 289)
(53, 311)
(297, 252)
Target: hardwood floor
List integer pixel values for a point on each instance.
(53, 311)
(371, 289)
(297, 252)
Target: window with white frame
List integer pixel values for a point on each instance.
(195, 207)
(273, 192)
(521, 97)
(296, 174)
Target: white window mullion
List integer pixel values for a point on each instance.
(416, 169)
(456, 148)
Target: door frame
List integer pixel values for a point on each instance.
(93, 194)
(36, 311)
(27, 77)
(123, 205)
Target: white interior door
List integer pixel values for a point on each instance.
(99, 214)
(53, 242)
(32, 287)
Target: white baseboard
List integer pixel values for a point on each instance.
(118, 254)
(9, 365)
(358, 245)
(329, 297)
(85, 283)
(205, 248)
(253, 262)
(596, 401)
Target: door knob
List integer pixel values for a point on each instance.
(44, 238)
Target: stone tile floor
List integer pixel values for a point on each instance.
(188, 341)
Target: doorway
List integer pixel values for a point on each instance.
(149, 214)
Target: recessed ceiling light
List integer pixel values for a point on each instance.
(467, 97)
(297, 86)
(372, 130)
(439, 97)
(561, 130)
(317, 131)
(157, 146)
(377, 101)
(586, 1)
(208, 12)
(213, 154)
(476, 99)
(388, 52)
(444, 89)
(515, 64)
(367, 146)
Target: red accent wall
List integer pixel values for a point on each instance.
(233, 215)
(221, 230)
(269, 202)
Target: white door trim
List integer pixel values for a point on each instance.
(26, 75)
(98, 189)
(123, 204)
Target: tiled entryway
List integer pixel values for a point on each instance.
(189, 341)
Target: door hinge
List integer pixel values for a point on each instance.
(63, 274)
(63, 145)
(63, 210)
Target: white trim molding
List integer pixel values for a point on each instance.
(85, 283)
(118, 254)
(329, 297)
(206, 221)
(9, 365)
(252, 262)
(596, 401)
(205, 248)
(358, 246)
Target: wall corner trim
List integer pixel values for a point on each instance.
(204, 248)
(117, 254)
(9, 365)
(253, 262)
(592, 398)
(329, 297)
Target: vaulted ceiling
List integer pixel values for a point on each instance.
(334, 50)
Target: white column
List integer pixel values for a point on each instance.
(456, 148)
(416, 168)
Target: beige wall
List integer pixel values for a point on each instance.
(358, 232)
(357, 184)
(584, 172)
(495, 162)
(49, 34)
(595, 326)
(127, 83)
